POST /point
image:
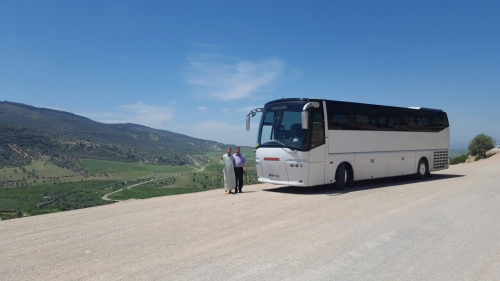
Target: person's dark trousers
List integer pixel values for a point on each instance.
(238, 172)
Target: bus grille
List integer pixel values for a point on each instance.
(440, 159)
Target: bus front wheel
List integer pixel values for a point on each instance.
(341, 176)
(422, 169)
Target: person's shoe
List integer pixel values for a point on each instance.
(226, 192)
(240, 190)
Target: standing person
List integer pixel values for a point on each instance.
(229, 178)
(240, 167)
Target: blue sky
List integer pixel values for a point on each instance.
(197, 67)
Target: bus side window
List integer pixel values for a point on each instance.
(337, 121)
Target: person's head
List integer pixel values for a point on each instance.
(228, 150)
(237, 150)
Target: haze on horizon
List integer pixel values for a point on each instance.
(197, 67)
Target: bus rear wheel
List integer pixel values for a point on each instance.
(422, 169)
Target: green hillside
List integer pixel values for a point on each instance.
(31, 133)
(52, 161)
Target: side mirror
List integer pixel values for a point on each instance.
(252, 113)
(305, 113)
(305, 119)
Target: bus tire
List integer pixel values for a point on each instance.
(350, 175)
(422, 169)
(341, 176)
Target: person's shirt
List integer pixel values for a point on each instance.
(227, 156)
(239, 160)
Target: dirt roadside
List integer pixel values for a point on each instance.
(381, 230)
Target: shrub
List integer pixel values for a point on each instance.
(458, 159)
(480, 145)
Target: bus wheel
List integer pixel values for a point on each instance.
(341, 176)
(349, 175)
(422, 169)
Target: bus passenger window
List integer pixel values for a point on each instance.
(318, 134)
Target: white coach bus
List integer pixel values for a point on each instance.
(307, 142)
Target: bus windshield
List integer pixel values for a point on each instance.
(281, 126)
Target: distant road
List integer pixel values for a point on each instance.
(443, 228)
(106, 198)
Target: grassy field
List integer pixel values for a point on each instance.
(37, 170)
(42, 187)
(191, 181)
(130, 170)
(48, 198)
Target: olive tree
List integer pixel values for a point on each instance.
(480, 145)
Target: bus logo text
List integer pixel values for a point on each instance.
(271, 159)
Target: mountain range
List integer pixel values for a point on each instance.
(32, 133)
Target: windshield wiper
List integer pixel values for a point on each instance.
(278, 142)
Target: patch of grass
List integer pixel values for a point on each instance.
(53, 189)
(10, 215)
(47, 169)
(38, 168)
(54, 197)
(37, 172)
(130, 170)
(154, 137)
(458, 159)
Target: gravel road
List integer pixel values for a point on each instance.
(443, 228)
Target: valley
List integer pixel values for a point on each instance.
(53, 161)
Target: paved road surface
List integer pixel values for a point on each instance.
(444, 228)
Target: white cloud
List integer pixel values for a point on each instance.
(138, 113)
(232, 81)
(202, 108)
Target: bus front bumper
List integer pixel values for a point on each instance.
(292, 183)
